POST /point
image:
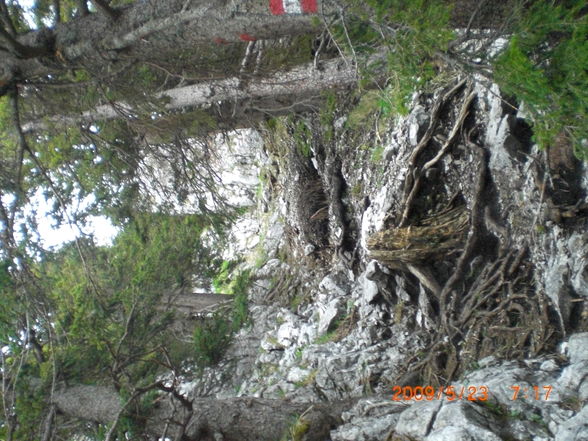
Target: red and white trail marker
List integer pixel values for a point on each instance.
(279, 7)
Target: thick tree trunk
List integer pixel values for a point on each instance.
(233, 419)
(145, 30)
(268, 95)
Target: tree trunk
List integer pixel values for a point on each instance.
(146, 31)
(268, 95)
(232, 419)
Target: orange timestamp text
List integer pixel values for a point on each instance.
(449, 393)
(531, 392)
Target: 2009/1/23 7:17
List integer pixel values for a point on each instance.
(531, 392)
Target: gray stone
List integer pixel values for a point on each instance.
(470, 417)
(575, 429)
(450, 434)
(573, 375)
(369, 289)
(578, 347)
(285, 356)
(418, 418)
(578, 248)
(296, 375)
(368, 420)
(309, 249)
(330, 314)
(334, 285)
(417, 123)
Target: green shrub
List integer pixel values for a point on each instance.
(327, 114)
(377, 154)
(213, 336)
(296, 429)
(240, 309)
(546, 66)
(368, 105)
(302, 136)
(414, 31)
(222, 279)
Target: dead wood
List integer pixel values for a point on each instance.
(436, 236)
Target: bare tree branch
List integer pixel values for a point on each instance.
(5, 18)
(57, 7)
(47, 433)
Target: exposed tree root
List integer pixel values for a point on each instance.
(414, 175)
(485, 308)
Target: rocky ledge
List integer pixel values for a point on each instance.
(438, 276)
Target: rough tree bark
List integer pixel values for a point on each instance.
(209, 419)
(272, 92)
(145, 30)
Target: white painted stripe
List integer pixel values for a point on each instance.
(292, 6)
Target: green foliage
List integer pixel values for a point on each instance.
(368, 105)
(30, 407)
(495, 407)
(327, 114)
(222, 279)
(298, 300)
(377, 154)
(302, 136)
(298, 353)
(414, 31)
(9, 307)
(240, 308)
(326, 337)
(296, 430)
(211, 338)
(214, 334)
(107, 320)
(423, 31)
(546, 67)
(107, 305)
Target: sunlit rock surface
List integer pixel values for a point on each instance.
(335, 331)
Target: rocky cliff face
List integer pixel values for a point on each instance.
(439, 254)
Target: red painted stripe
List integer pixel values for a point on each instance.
(247, 37)
(276, 7)
(309, 6)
